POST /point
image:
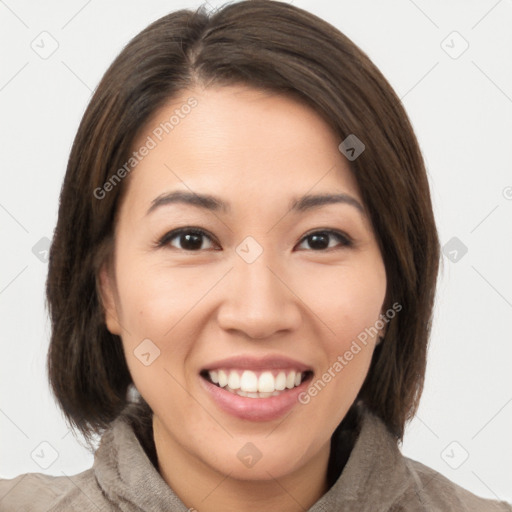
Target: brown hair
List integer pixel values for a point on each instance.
(284, 49)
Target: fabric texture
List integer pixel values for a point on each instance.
(375, 477)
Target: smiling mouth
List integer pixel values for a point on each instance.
(263, 384)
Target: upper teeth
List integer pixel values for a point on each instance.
(248, 381)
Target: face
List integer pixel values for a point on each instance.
(231, 307)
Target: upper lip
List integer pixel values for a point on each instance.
(247, 362)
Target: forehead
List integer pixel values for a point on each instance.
(241, 143)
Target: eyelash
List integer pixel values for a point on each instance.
(165, 240)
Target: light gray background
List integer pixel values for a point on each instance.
(461, 109)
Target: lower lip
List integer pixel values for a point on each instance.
(254, 409)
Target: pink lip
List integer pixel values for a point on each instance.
(258, 364)
(254, 409)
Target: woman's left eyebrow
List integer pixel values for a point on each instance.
(213, 203)
(310, 201)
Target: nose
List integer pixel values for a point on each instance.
(258, 301)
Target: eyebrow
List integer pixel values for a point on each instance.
(212, 203)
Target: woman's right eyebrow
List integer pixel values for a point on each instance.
(213, 203)
(205, 201)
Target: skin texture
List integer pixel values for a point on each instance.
(256, 151)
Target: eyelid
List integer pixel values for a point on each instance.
(330, 231)
(171, 235)
(344, 239)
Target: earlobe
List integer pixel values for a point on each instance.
(107, 296)
(382, 333)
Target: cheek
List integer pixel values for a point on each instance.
(347, 299)
(337, 383)
(154, 309)
(153, 300)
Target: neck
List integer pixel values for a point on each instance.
(202, 488)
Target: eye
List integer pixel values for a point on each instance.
(191, 239)
(320, 240)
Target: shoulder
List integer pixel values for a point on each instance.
(37, 492)
(379, 475)
(429, 490)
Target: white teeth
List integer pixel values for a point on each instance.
(223, 378)
(280, 383)
(248, 384)
(290, 380)
(266, 383)
(251, 395)
(234, 380)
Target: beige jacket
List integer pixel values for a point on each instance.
(376, 478)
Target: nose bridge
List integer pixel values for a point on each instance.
(257, 301)
(257, 283)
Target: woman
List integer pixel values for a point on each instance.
(242, 277)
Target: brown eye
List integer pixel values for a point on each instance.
(188, 239)
(321, 240)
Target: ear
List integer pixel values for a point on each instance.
(382, 332)
(108, 299)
